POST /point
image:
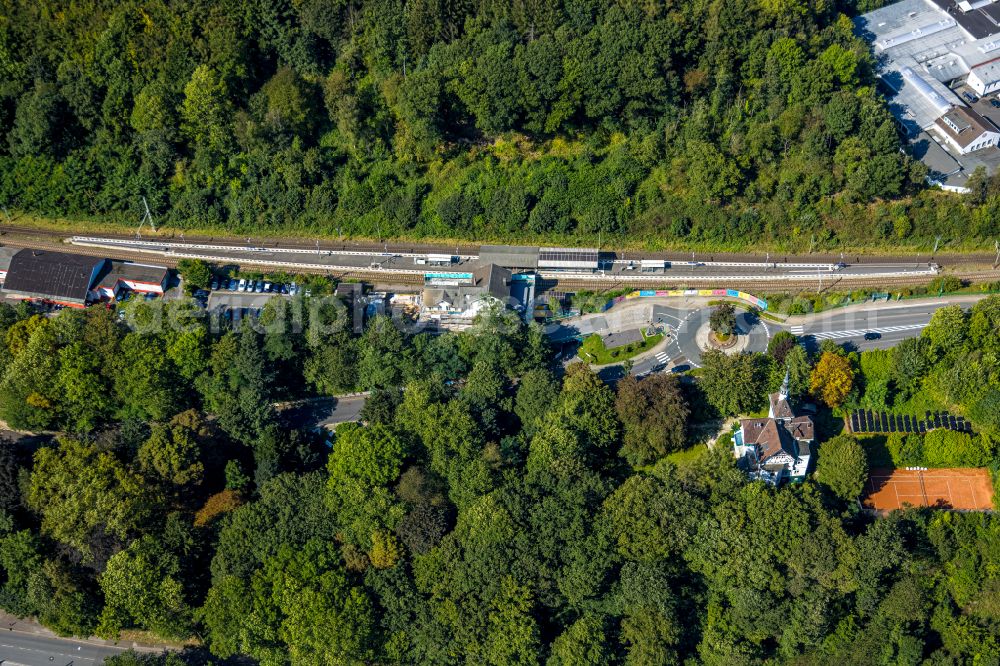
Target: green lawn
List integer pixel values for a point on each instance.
(687, 455)
(593, 350)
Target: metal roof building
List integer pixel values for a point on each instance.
(568, 258)
(509, 256)
(57, 276)
(927, 52)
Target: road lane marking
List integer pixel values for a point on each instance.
(835, 335)
(74, 657)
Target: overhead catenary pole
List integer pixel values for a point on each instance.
(149, 215)
(996, 246)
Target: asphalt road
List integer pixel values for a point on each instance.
(892, 321)
(327, 412)
(26, 649)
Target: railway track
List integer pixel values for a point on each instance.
(943, 260)
(778, 286)
(54, 240)
(376, 277)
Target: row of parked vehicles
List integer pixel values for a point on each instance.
(254, 287)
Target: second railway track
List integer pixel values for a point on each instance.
(55, 240)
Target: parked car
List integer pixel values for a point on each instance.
(284, 289)
(267, 287)
(970, 98)
(872, 335)
(243, 284)
(214, 285)
(995, 104)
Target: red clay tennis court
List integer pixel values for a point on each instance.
(964, 489)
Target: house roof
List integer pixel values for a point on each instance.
(801, 428)
(126, 270)
(780, 407)
(349, 289)
(56, 275)
(494, 280)
(970, 125)
(774, 437)
(765, 434)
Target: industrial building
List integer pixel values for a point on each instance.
(937, 58)
(59, 277)
(73, 279)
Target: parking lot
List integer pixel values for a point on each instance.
(222, 300)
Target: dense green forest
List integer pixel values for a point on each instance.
(496, 511)
(705, 123)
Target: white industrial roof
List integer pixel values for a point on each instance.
(988, 71)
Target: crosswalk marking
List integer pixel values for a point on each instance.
(835, 335)
(662, 357)
(798, 330)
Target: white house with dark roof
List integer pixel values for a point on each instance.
(967, 131)
(778, 447)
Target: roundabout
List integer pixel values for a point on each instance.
(683, 322)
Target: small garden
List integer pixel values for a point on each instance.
(594, 352)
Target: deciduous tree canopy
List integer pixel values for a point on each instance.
(697, 124)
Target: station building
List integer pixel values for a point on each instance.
(453, 301)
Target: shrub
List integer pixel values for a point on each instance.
(906, 450)
(947, 448)
(876, 365)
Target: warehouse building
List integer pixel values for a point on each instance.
(937, 58)
(75, 279)
(59, 277)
